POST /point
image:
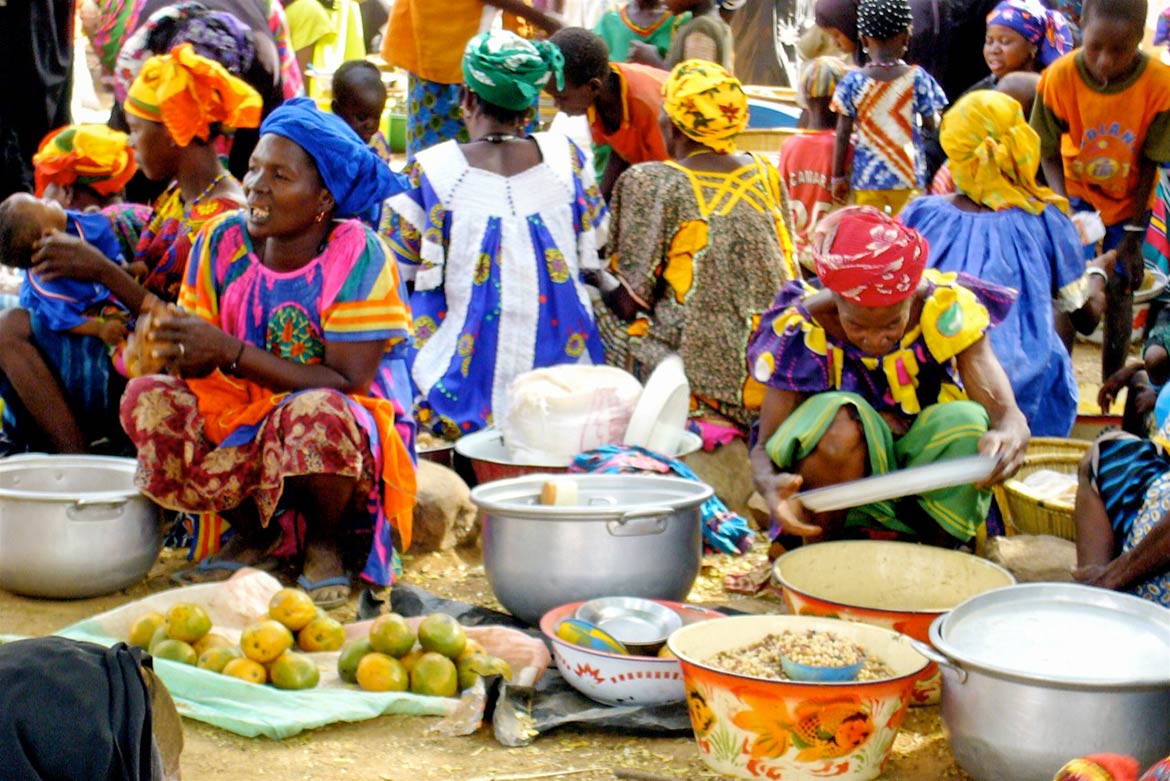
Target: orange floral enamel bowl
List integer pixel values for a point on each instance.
(751, 727)
(896, 585)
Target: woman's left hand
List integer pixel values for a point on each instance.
(63, 256)
(1006, 445)
(190, 345)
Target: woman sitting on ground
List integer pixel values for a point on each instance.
(699, 246)
(60, 392)
(873, 374)
(284, 367)
(1123, 515)
(494, 234)
(1003, 227)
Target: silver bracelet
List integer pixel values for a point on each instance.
(1097, 271)
(1134, 228)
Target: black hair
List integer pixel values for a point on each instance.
(586, 55)
(498, 113)
(357, 74)
(1130, 11)
(18, 237)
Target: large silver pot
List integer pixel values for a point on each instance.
(1037, 674)
(74, 526)
(629, 535)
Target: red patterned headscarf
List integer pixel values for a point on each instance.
(868, 258)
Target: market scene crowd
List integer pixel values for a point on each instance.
(239, 266)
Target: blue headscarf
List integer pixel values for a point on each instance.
(353, 173)
(1047, 30)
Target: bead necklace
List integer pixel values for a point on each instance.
(497, 138)
(187, 206)
(887, 63)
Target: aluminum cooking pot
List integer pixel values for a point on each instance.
(1037, 674)
(73, 526)
(628, 535)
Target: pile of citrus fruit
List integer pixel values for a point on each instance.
(265, 653)
(438, 660)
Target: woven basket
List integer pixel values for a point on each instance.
(1057, 446)
(1026, 513)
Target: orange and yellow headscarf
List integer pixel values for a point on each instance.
(993, 153)
(96, 156)
(706, 103)
(188, 94)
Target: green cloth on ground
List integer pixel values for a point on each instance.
(940, 432)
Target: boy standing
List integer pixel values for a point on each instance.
(1103, 115)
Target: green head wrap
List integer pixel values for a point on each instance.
(508, 71)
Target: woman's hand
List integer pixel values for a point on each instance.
(1129, 260)
(1112, 386)
(189, 345)
(112, 331)
(1008, 445)
(779, 491)
(62, 256)
(840, 190)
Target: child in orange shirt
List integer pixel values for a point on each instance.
(622, 100)
(1103, 115)
(806, 159)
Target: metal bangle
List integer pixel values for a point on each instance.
(1097, 271)
(1134, 228)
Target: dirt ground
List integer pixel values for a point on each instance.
(399, 748)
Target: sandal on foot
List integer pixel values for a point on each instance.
(217, 570)
(316, 585)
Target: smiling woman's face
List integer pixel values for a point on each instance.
(283, 189)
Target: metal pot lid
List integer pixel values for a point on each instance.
(599, 496)
(1060, 633)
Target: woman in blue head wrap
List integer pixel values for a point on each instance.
(494, 234)
(1024, 35)
(287, 396)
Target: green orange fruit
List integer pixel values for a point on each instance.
(293, 671)
(217, 657)
(391, 635)
(144, 627)
(265, 640)
(293, 608)
(434, 675)
(187, 621)
(323, 633)
(175, 650)
(442, 634)
(351, 655)
(381, 673)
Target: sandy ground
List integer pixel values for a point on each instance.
(399, 748)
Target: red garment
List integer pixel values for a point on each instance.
(867, 257)
(806, 169)
(637, 139)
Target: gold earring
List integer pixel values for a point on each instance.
(320, 217)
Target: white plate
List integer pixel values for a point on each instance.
(904, 482)
(660, 415)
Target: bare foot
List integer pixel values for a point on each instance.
(323, 575)
(235, 555)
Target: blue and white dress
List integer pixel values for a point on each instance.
(1039, 255)
(496, 263)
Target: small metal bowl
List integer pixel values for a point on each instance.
(641, 625)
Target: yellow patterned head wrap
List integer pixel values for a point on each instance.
(706, 103)
(92, 155)
(993, 154)
(188, 94)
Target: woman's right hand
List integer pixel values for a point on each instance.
(1113, 385)
(786, 510)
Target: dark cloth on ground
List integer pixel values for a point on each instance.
(74, 710)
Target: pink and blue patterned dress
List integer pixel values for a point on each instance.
(496, 265)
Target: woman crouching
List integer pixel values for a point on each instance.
(288, 387)
(887, 367)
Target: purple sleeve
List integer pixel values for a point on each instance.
(782, 358)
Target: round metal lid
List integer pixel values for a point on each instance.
(1060, 633)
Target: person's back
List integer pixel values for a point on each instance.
(806, 159)
(705, 37)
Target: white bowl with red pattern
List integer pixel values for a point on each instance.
(619, 679)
